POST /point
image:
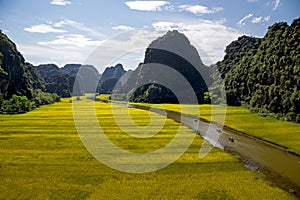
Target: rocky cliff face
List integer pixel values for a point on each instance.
(170, 66)
(16, 76)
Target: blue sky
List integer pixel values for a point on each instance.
(67, 31)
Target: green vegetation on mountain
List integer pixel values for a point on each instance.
(21, 86)
(16, 76)
(263, 73)
(56, 82)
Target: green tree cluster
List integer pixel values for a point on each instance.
(153, 93)
(21, 104)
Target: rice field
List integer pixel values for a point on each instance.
(42, 157)
(285, 134)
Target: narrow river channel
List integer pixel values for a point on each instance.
(276, 163)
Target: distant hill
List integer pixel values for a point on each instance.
(175, 51)
(263, 73)
(109, 78)
(16, 76)
(70, 68)
(113, 72)
(55, 81)
(61, 80)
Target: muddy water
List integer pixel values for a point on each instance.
(279, 166)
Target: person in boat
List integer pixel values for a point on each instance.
(231, 139)
(219, 130)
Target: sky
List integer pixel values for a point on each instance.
(70, 31)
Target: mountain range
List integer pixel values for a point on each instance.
(61, 80)
(259, 73)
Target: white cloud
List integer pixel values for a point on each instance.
(70, 40)
(60, 2)
(211, 37)
(260, 19)
(78, 26)
(256, 20)
(242, 21)
(198, 9)
(170, 8)
(43, 28)
(276, 4)
(146, 5)
(267, 19)
(63, 48)
(165, 26)
(67, 48)
(122, 28)
(252, 1)
(37, 54)
(63, 27)
(167, 6)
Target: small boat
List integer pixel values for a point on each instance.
(230, 139)
(219, 130)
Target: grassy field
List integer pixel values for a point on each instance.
(286, 134)
(42, 157)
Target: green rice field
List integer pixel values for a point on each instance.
(42, 157)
